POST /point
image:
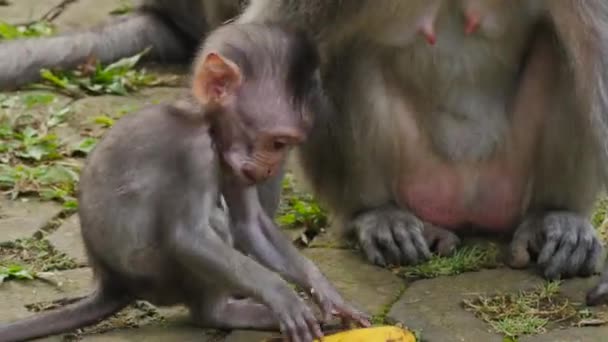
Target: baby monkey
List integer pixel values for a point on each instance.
(150, 190)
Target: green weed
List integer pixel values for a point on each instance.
(126, 6)
(55, 181)
(36, 29)
(15, 272)
(300, 209)
(93, 78)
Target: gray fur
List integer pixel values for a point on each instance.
(153, 229)
(375, 65)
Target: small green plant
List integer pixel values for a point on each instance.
(29, 143)
(36, 29)
(104, 121)
(119, 78)
(466, 259)
(25, 136)
(55, 181)
(32, 159)
(85, 146)
(15, 272)
(300, 209)
(126, 6)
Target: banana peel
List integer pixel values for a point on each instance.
(373, 334)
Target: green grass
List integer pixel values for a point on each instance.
(599, 217)
(465, 259)
(529, 312)
(599, 213)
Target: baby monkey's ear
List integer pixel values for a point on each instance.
(216, 78)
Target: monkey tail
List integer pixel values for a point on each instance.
(22, 59)
(84, 312)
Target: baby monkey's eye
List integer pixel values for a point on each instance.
(279, 145)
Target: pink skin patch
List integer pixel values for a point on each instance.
(430, 37)
(453, 200)
(427, 30)
(472, 23)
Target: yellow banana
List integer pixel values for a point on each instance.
(373, 334)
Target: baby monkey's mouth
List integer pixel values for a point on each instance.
(247, 177)
(242, 170)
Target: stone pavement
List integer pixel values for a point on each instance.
(433, 307)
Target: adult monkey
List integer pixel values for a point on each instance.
(416, 148)
(376, 68)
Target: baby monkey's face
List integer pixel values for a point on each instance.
(254, 154)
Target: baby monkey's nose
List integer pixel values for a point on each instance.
(250, 174)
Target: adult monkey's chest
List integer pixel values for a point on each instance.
(462, 89)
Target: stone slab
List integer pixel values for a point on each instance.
(21, 218)
(250, 336)
(330, 238)
(87, 109)
(81, 120)
(597, 334)
(156, 333)
(14, 295)
(86, 14)
(368, 287)
(22, 11)
(64, 284)
(40, 103)
(67, 239)
(575, 290)
(434, 306)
